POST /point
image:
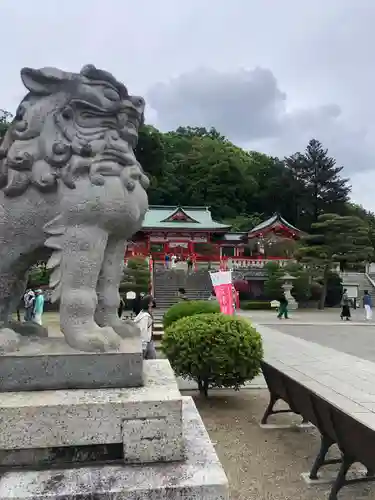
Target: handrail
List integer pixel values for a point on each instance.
(370, 279)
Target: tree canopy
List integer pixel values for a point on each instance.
(199, 166)
(335, 239)
(196, 166)
(321, 189)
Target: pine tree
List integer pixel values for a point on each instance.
(335, 239)
(323, 189)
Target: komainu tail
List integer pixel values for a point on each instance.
(56, 232)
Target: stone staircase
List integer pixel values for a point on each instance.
(362, 281)
(168, 281)
(166, 285)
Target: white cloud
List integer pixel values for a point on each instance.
(318, 54)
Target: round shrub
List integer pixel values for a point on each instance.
(189, 308)
(214, 350)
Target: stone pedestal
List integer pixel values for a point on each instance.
(198, 477)
(49, 363)
(131, 443)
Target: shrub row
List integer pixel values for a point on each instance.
(189, 308)
(247, 305)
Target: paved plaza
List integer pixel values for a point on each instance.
(356, 337)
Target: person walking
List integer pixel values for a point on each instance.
(29, 301)
(190, 264)
(173, 261)
(166, 261)
(367, 304)
(121, 307)
(345, 306)
(38, 307)
(144, 321)
(283, 308)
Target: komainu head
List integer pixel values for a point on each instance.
(71, 125)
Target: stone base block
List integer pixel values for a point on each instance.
(199, 477)
(306, 425)
(50, 364)
(48, 427)
(27, 328)
(329, 476)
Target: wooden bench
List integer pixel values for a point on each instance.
(332, 390)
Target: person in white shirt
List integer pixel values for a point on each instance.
(29, 301)
(144, 321)
(173, 261)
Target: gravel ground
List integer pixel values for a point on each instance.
(265, 464)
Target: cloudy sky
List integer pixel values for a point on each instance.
(269, 74)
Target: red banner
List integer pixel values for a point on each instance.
(222, 283)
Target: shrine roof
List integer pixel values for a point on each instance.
(273, 221)
(173, 217)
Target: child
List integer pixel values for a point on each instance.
(38, 307)
(144, 321)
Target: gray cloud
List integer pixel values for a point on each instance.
(243, 105)
(249, 107)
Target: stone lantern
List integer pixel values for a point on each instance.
(287, 287)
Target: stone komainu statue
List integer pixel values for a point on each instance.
(71, 191)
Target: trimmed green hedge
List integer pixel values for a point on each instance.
(189, 308)
(248, 305)
(215, 350)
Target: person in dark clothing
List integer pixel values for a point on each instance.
(120, 308)
(345, 304)
(283, 309)
(182, 294)
(190, 264)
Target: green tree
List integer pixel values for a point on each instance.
(368, 217)
(38, 275)
(200, 132)
(334, 290)
(321, 187)
(204, 170)
(273, 283)
(334, 239)
(277, 189)
(150, 151)
(136, 276)
(244, 222)
(5, 119)
(302, 284)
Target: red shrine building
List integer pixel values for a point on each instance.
(185, 231)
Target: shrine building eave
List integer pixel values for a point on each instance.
(234, 237)
(275, 223)
(163, 218)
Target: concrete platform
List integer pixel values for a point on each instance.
(50, 364)
(199, 477)
(37, 428)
